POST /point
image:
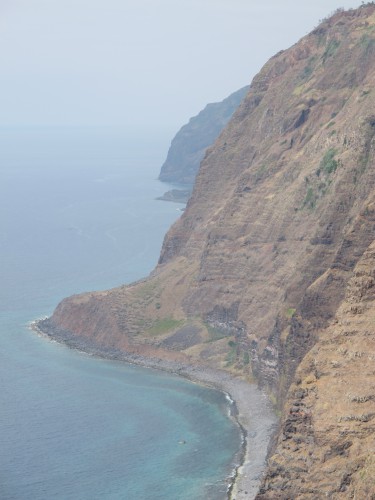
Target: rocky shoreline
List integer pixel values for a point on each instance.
(251, 407)
(176, 195)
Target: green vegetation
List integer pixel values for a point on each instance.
(215, 334)
(367, 43)
(230, 358)
(328, 163)
(331, 49)
(246, 358)
(330, 124)
(310, 198)
(309, 68)
(299, 89)
(272, 397)
(321, 40)
(164, 325)
(290, 312)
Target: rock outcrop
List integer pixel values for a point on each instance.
(191, 141)
(269, 271)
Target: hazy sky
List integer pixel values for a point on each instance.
(142, 64)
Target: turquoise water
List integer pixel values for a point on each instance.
(78, 212)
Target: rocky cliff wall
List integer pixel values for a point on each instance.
(279, 214)
(327, 437)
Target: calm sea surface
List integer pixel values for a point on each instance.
(78, 212)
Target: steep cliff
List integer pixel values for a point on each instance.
(191, 141)
(327, 433)
(252, 278)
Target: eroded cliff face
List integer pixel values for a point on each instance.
(326, 442)
(252, 276)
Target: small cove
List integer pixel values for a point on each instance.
(78, 212)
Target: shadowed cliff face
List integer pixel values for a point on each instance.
(252, 275)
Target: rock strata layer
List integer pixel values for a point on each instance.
(269, 272)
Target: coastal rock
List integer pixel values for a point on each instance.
(176, 195)
(269, 271)
(191, 141)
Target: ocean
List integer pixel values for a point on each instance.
(78, 213)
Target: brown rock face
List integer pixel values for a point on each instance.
(279, 225)
(326, 441)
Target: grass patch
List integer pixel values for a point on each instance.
(299, 89)
(328, 163)
(310, 198)
(231, 357)
(367, 43)
(290, 312)
(331, 49)
(327, 166)
(215, 334)
(164, 325)
(272, 397)
(309, 68)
